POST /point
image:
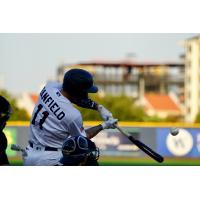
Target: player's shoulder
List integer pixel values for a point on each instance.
(53, 89)
(53, 84)
(50, 87)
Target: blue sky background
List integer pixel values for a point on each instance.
(28, 60)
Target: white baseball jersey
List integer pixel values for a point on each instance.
(54, 118)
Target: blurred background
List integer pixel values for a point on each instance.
(150, 82)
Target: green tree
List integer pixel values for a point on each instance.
(122, 107)
(18, 113)
(197, 120)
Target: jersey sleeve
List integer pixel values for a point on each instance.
(76, 127)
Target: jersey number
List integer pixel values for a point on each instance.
(45, 115)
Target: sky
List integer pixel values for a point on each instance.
(28, 60)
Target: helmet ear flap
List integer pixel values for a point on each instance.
(69, 146)
(82, 143)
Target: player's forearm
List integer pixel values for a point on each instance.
(93, 131)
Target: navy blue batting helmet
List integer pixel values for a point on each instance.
(78, 83)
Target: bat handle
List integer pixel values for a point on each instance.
(120, 130)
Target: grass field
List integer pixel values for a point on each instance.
(122, 161)
(126, 161)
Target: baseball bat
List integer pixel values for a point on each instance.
(143, 147)
(138, 143)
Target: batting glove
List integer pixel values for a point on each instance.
(105, 114)
(109, 124)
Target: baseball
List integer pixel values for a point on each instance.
(174, 131)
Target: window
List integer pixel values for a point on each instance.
(188, 63)
(188, 110)
(187, 66)
(189, 49)
(187, 79)
(188, 94)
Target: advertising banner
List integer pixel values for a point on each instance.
(112, 143)
(185, 144)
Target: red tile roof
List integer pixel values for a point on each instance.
(161, 102)
(34, 98)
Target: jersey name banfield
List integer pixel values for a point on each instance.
(53, 106)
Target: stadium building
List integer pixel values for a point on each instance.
(192, 78)
(132, 78)
(139, 80)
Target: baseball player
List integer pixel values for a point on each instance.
(5, 112)
(55, 118)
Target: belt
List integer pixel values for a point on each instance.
(45, 148)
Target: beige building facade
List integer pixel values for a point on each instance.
(192, 78)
